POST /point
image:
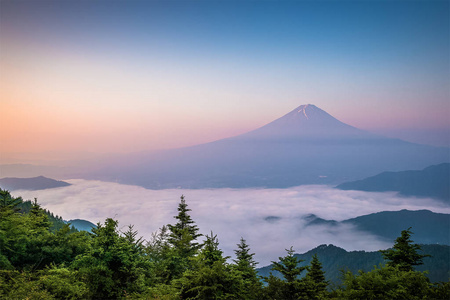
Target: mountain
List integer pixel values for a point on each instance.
(306, 122)
(305, 146)
(335, 259)
(433, 182)
(80, 224)
(428, 227)
(34, 183)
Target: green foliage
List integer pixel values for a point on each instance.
(250, 285)
(404, 254)
(244, 259)
(22, 285)
(38, 262)
(184, 233)
(63, 283)
(113, 266)
(51, 283)
(314, 282)
(385, 283)
(182, 242)
(440, 291)
(160, 255)
(288, 266)
(7, 203)
(26, 242)
(292, 287)
(210, 277)
(396, 280)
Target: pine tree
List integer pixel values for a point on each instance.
(243, 257)
(211, 276)
(288, 266)
(404, 254)
(8, 203)
(112, 267)
(184, 233)
(245, 268)
(292, 287)
(210, 252)
(315, 283)
(182, 241)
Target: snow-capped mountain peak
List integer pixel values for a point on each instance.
(306, 120)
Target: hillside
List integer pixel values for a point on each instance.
(428, 227)
(80, 224)
(335, 259)
(33, 183)
(433, 182)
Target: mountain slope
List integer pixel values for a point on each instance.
(306, 122)
(428, 227)
(80, 224)
(34, 183)
(306, 146)
(433, 181)
(335, 259)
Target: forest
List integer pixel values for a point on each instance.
(41, 257)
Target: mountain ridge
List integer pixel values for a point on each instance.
(31, 183)
(432, 181)
(335, 259)
(428, 227)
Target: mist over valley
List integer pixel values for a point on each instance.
(271, 220)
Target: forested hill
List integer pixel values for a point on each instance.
(428, 227)
(335, 259)
(430, 182)
(56, 221)
(80, 224)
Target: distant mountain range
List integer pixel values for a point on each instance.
(306, 146)
(335, 259)
(433, 182)
(34, 183)
(428, 227)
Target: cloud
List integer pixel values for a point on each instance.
(234, 213)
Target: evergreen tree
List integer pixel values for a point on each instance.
(314, 281)
(210, 276)
(386, 282)
(291, 287)
(404, 254)
(184, 233)
(182, 238)
(39, 216)
(245, 268)
(7, 203)
(210, 252)
(243, 257)
(288, 266)
(112, 267)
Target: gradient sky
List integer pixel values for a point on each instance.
(116, 76)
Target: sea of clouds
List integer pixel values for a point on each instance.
(234, 213)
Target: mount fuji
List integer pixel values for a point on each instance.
(305, 146)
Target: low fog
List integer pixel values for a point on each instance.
(233, 213)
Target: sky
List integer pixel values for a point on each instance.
(125, 76)
(234, 213)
